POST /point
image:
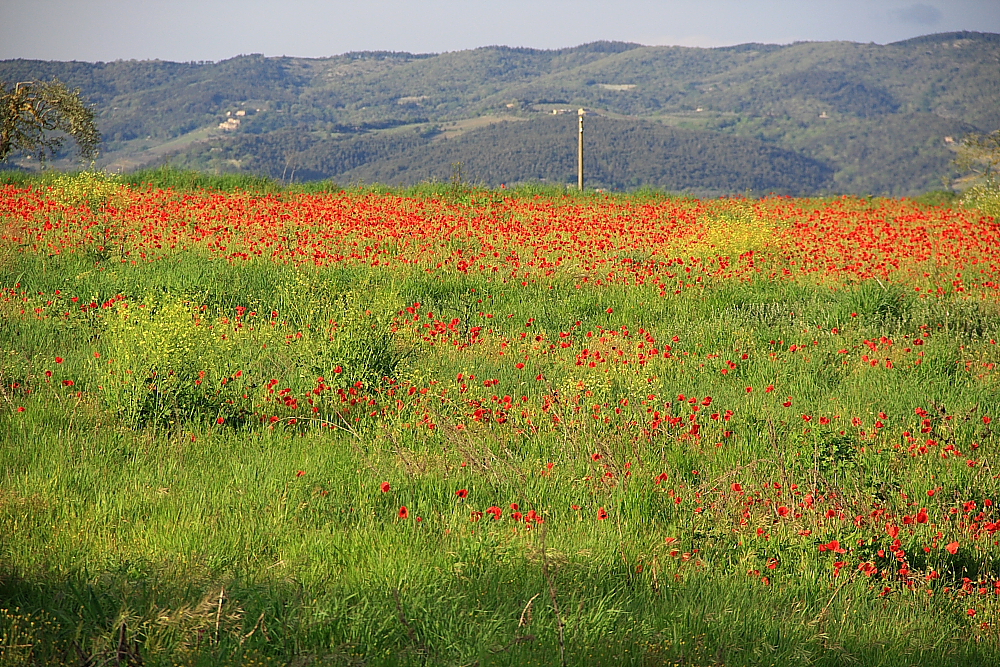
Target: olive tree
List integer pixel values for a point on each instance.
(37, 116)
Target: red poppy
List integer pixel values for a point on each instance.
(952, 548)
(404, 513)
(602, 514)
(737, 487)
(59, 360)
(385, 487)
(784, 511)
(300, 473)
(834, 546)
(462, 493)
(220, 420)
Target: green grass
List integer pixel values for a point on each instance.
(130, 512)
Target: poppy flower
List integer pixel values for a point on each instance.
(602, 514)
(952, 548)
(737, 487)
(462, 493)
(385, 486)
(834, 546)
(404, 513)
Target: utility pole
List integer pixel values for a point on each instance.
(579, 165)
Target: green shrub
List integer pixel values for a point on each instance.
(87, 188)
(985, 197)
(171, 361)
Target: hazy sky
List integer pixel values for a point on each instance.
(185, 30)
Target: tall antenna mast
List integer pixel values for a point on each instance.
(579, 165)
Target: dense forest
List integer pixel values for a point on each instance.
(805, 117)
(621, 154)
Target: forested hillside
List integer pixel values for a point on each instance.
(826, 116)
(621, 154)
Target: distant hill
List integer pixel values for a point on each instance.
(862, 118)
(620, 154)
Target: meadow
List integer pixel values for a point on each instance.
(460, 426)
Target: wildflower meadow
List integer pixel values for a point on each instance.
(460, 426)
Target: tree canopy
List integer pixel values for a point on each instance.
(37, 116)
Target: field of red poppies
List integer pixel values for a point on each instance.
(496, 427)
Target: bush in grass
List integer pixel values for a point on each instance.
(985, 197)
(94, 189)
(979, 157)
(729, 229)
(173, 362)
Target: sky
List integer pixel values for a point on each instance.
(196, 30)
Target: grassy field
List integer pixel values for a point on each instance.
(451, 426)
